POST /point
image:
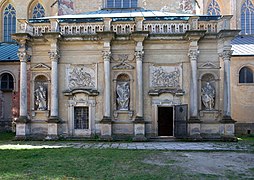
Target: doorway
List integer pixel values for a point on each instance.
(165, 121)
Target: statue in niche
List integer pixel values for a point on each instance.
(40, 98)
(208, 96)
(123, 95)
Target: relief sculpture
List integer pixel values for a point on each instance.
(123, 95)
(162, 78)
(81, 77)
(208, 96)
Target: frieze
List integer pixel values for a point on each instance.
(165, 76)
(81, 76)
(123, 59)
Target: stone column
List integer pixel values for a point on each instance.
(193, 55)
(54, 57)
(139, 71)
(22, 129)
(226, 55)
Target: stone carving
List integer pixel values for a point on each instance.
(81, 77)
(165, 77)
(40, 96)
(54, 55)
(193, 54)
(208, 96)
(106, 55)
(226, 54)
(123, 59)
(139, 55)
(123, 95)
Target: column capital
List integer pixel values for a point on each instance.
(193, 54)
(54, 55)
(23, 56)
(106, 55)
(139, 55)
(226, 54)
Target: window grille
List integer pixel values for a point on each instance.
(7, 82)
(81, 118)
(247, 17)
(245, 75)
(38, 11)
(9, 22)
(213, 8)
(121, 3)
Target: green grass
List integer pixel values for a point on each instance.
(6, 136)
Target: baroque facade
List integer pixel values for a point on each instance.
(121, 73)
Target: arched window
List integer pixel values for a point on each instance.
(246, 75)
(213, 8)
(9, 22)
(247, 17)
(7, 82)
(38, 11)
(121, 3)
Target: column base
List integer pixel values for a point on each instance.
(139, 129)
(106, 128)
(53, 126)
(194, 128)
(22, 128)
(227, 120)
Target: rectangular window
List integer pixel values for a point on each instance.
(81, 118)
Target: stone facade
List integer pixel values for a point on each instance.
(160, 68)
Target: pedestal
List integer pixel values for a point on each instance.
(194, 129)
(106, 128)
(53, 126)
(22, 128)
(139, 129)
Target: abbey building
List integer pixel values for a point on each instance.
(125, 71)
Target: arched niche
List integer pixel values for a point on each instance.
(41, 93)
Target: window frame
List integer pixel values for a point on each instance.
(9, 20)
(213, 6)
(247, 17)
(244, 72)
(35, 15)
(9, 80)
(120, 4)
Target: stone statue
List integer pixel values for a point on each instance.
(123, 95)
(208, 96)
(40, 98)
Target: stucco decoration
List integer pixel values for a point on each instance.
(80, 77)
(66, 7)
(208, 96)
(165, 76)
(122, 62)
(123, 95)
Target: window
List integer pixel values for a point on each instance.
(213, 8)
(9, 22)
(247, 17)
(245, 75)
(38, 11)
(7, 82)
(121, 3)
(81, 118)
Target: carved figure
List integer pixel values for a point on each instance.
(208, 96)
(123, 95)
(40, 98)
(165, 79)
(80, 78)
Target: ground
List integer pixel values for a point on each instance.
(125, 160)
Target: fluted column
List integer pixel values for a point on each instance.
(139, 71)
(54, 57)
(226, 55)
(107, 94)
(193, 55)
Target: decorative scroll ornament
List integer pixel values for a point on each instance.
(139, 55)
(81, 77)
(208, 96)
(123, 59)
(226, 54)
(193, 54)
(54, 55)
(161, 77)
(106, 55)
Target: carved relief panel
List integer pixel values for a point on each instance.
(166, 76)
(81, 77)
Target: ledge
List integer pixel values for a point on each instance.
(89, 92)
(157, 92)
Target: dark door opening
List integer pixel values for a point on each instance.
(165, 121)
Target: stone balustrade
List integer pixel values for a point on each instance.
(211, 25)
